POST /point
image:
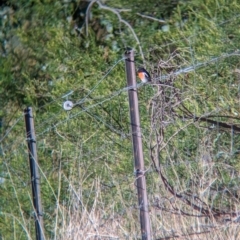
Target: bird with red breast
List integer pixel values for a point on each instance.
(144, 75)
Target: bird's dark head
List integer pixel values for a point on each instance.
(140, 69)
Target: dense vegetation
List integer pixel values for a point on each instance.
(52, 51)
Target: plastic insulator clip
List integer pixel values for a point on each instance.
(68, 105)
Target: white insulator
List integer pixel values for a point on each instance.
(67, 105)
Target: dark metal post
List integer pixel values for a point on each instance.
(137, 146)
(35, 177)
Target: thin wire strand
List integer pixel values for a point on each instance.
(84, 98)
(108, 72)
(11, 128)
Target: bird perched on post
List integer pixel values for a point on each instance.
(144, 75)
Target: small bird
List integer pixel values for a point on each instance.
(144, 75)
